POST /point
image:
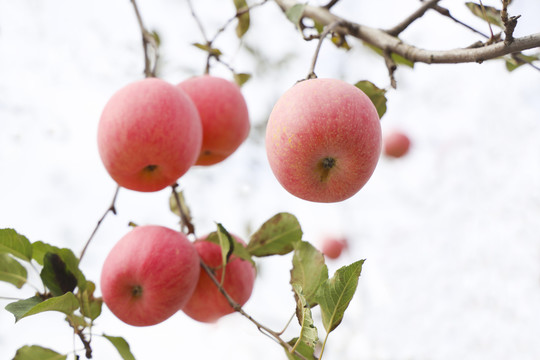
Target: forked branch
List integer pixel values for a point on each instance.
(387, 42)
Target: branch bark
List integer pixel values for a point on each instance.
(383, 40)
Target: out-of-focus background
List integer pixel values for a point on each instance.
(450, 233)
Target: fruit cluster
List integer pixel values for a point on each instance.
(323, 141)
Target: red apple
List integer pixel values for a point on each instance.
(207, 304)
(333, 247)
(224, 116)
(396, 144)
(149, 135)
(323, 140)
(149, 275)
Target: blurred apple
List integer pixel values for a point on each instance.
(396, 144)
(333, 247)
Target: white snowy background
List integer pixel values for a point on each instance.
(450, 233)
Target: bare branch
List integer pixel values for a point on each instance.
(398, 29)
(112, 209)
(149, 43)
(445, 12)
(383, 40)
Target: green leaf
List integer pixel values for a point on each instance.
(243, 20)
(240, 79)
(376, 95)
(294, 14)
(90, 305)
(492, 15)
(55, 275)
(308, 331)
(36, 352)
(12, 271)
(239, 250)
(277, 236)
(212, 51)
(121, 345)
(71, 262)
(173, 204)
(66, 304)
(15, 244)
(302, 348)
(336, 293)
(309, 270)
(516, 60)
(398, 59)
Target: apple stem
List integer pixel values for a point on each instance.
(184, 217)
(327, 30)
(112, 209)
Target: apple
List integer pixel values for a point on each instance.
(323, 140)
(149, 135)
(149, 275)
(332, 247)
(224, 116)
(396, 144)
(207, 304)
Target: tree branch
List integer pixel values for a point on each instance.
(387, 42)
(396, 30)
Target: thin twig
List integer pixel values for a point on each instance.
(330, 4)
(398, 29)
(510, 23)
(184, 218)
(148, 41)
(391, 66)
(112, 209)
(484, 13)
(445, 12)
(327, 30)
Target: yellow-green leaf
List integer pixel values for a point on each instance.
(12, 271)
(15, 244)
(36, 352)
(376, 95)
(277, 236)
(491, 15)
(243, 19)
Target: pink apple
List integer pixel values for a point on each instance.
(207, 304)
(149, 135)
(149, 275)
(323, 140)
(224, 116)
(396, 144)
(332, 247)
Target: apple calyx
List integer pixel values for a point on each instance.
(325, 166)
(137, 291)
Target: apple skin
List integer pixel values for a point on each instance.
(207, 304)
(396, 144)
(149, 135)
(323, 140)
(224, 116)
(332, 247)
(149, 275)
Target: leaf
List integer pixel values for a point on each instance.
(294, 14)
(66, 304)
(90, 305)
(12, 271)
(309, 270)
(492, 15)
(308, 331)
(36, 352)
(336, 293)
(398, 59)
(121, 345)
(514, 61)
(240, 79)
(243, 20)
(15, 244)
(66, 255)
(376, 95)
(302, 348)
(239, 248)
(173, 204)
(55, 275)
(212, 51)
(277, 236)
